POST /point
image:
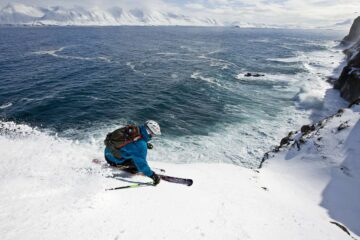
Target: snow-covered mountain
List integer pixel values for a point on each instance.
(20, 14)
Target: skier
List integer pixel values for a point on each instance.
(127, 147)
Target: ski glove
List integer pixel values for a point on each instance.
(155, 178)
(150, 146)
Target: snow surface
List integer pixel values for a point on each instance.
(50, 193)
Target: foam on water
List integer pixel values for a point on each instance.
(312, 83)
(132, 66)
(50, 52)
(218, 62)
(55, 53)
(197, 75)
(239, 144)
(6, 105)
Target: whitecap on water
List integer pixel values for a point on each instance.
(55, 53)
(132, 66)
(6, 105)
(218, 62)
(197, 75)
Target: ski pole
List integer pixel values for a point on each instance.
(131, 186)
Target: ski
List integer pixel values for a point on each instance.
(123, 168)
(185, 181)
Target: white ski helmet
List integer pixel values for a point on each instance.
(153, 127)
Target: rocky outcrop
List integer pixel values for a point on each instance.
(354, 34)
(349, 80)
(253, 75)
(349, 83)
(308, 132)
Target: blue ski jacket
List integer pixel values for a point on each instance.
(136, 151)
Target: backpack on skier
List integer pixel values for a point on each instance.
(120, 138)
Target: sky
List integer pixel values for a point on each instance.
(305, 13)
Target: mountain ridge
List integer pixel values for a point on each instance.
(21, 14)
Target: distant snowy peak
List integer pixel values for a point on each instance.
(18, 8)
(16, 14)
(19, 14)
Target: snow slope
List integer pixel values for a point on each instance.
(56, 192)
(322, 168)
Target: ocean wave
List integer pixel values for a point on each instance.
(298, 58)
(197, 75)
(6, 105)
(308, 99)
(54, 53)
(218, 62)
(12, 129)
(97, 98)
(264, 40)
(215, 51)
(132, 66)
(184, 60)
(317, 67)
(239, 143)
(50, 52)
(170, 53)
(36, 99)
(188, 48)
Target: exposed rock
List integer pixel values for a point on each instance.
(265, 157)
(307, 128)
(356, 102)
(276, 149)
(354, 33)
(342, 227)
(349, 80)
(349, 83)
(284, 141)
(343, 126)
(346, 171)
(254, 75)
(349, 86)
(339, 112)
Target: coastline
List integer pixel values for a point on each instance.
(322, 143)
(308, 190)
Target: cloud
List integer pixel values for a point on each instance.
(196, 6)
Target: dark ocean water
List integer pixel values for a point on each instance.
(72, 80)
